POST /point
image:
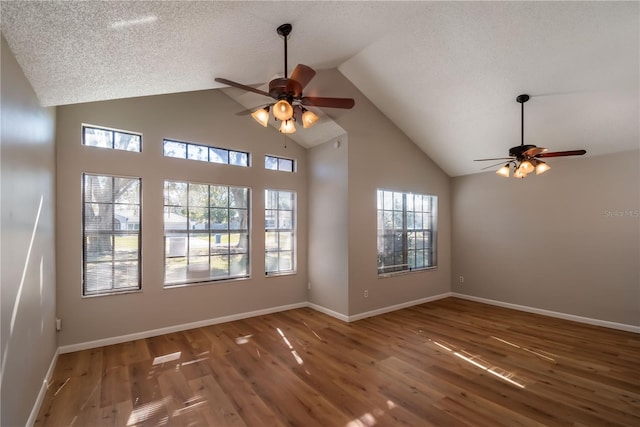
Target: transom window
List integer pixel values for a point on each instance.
(204, 153)
(206, 232)
(279, 164)
(111, 234)
(280, 236)
(109, 138)
(406, 231)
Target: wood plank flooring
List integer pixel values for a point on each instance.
(447, 363)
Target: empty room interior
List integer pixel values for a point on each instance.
(320, 213)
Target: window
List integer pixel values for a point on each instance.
(206, 232)
(279, 221)
(111, 234)
(113, 139)
(406, 231)
(204, 153)
(279, 164)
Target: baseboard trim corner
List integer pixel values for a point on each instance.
(400, 306)
(328, 312)
(43, 390)
(559, 315)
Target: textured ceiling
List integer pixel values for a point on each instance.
(446, 73)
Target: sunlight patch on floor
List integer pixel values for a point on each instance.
(295, 354)
(478, 362)
(537, 353)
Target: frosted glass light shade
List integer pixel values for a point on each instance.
(526, 167)
(542, 167)
(504, 171)
(282, 110)
(287, 126)
(308, 119)
(261, 116)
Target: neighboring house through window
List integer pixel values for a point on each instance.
(206, 232)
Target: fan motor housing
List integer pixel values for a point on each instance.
(285, 88)
(519, 150)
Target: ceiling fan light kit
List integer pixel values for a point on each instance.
(287, 91)
(526, 158)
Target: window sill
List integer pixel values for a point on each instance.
(113, 293)
(403, 272)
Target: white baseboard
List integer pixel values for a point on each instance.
(328, 312)
(565, 316)
(43, 391)
(391, 308)
(175, 328)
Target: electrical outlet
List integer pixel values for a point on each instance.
(461, 279)
(58, 324)
(366, 293)
(309, 285)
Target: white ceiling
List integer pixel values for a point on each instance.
(446, 73)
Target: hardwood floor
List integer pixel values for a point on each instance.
(447, 363)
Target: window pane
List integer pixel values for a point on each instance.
(98, 137)
(126, 141)
(238, 219)
(238, 158)
(270, 163)
(238, 197)
(218, 155)
(198, 152)
(198, 195)
(239, 265)
(219, 220)
(175, 149)
(285, 165)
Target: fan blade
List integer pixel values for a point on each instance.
(497, 158)
(493, 166)
(532, 152)
(327, 102)
(241, 86)
(562, 153)
(302, 74)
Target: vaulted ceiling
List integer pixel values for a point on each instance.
(446, 73)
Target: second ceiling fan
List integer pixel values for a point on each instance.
(526, 158)
(287, 91)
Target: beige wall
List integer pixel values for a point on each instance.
(554, 241)
(328, 226)
(204, 117)
(27, 259)
(381, 156)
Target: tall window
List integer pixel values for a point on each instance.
(204, 153)
(206, 232)
(406, 231)
(111, 234)
(108, 138)
(279, 221)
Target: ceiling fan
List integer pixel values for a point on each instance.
(287, 91)
(526, 158)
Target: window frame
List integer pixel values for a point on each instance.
(278, 160)
(209, 148)
(278, 230)
(391, 236)
(85, 238)
(114, 131)
(208, 231)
